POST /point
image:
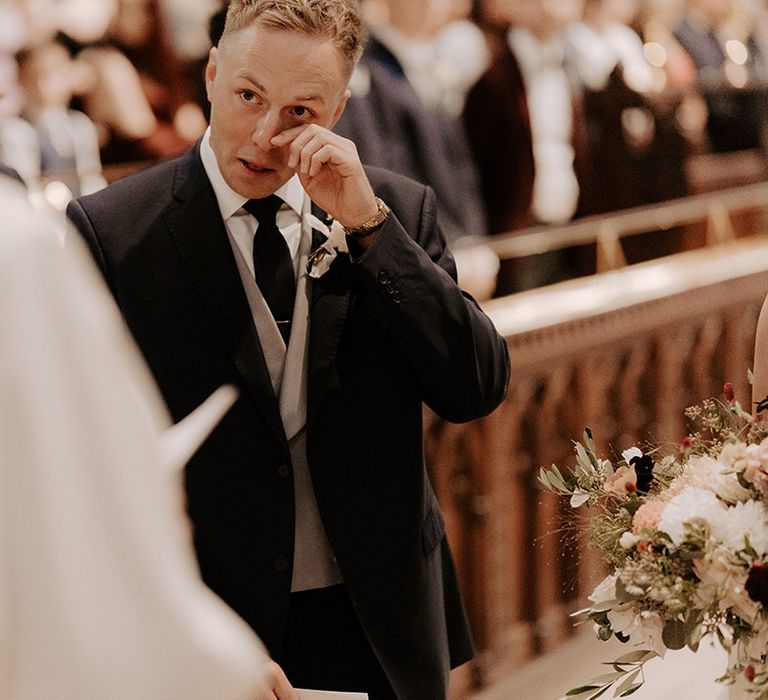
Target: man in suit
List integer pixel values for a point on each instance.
(394, 128)
(313, 514)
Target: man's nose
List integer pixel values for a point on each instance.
(267, 127)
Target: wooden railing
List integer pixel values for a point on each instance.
(705, 219)
(625, 353)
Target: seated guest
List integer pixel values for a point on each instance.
(603, 41)
(633, 129)
(19, 150)
(731, 72)
(66, 144)
(524, 124)
(396, 118)
(141, 95)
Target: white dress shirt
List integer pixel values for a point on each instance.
(555, 187)
(314, 565)
(241, 225)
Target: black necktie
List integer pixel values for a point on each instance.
(272, 262)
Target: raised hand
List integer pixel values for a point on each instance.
(330, 172)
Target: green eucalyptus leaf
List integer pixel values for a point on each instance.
(636, 657)
(604, 606)
(582, 696)
(675, 634)
(590, 445)
(604, 633)
(695, 634)
(622, 595)
(627, 683)
(583, 458)
(581, 690)
(606, 678)
(579, 499)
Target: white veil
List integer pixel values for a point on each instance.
(100, 595)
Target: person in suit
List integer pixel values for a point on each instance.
(533, 170)
(734, 92)
(397, 120)
(314, 518)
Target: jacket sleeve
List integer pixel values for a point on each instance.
(452, 346)
(80, 220)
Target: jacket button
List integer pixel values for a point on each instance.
(281, 563)
(383, 277)
(283, 471)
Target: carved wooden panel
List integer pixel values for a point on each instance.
(627, 369)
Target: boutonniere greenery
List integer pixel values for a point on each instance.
(322, 257)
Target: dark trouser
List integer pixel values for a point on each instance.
(326, 649)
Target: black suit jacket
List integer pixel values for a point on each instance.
(388, 331)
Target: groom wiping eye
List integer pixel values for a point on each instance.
(314, 517)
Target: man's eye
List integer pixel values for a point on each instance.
(302, 112)
(248, 96)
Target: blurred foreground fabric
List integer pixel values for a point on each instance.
(100, 596)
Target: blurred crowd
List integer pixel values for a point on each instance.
(516, 112)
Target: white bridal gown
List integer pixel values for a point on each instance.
(100, 597)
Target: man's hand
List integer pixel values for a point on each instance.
(280, 688)
(330, 172)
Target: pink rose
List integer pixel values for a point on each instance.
(647, 515)
(622, 481)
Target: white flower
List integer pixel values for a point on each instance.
(706, 473)
(605, 592)
(722, 581)
(335, 233)
(693, 505)
(755, 644)
(321, 259)
(732, 453)
(631, 453)
(605, 467)
(579, 498)
(628, 540)
(750, 520)
(644, 628)
(323, 256)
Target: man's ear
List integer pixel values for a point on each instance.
(210, 72)
(340, 108)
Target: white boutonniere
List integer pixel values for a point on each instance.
(323, 256)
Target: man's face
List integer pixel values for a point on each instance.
(261, 82)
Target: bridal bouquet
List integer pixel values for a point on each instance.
(685, 536)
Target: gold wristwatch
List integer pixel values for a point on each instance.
(373, 224)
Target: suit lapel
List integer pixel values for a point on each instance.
(330, 298)
(200, 237)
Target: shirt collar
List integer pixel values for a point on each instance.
(292, 193)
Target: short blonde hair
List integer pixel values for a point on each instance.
(338, 20)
